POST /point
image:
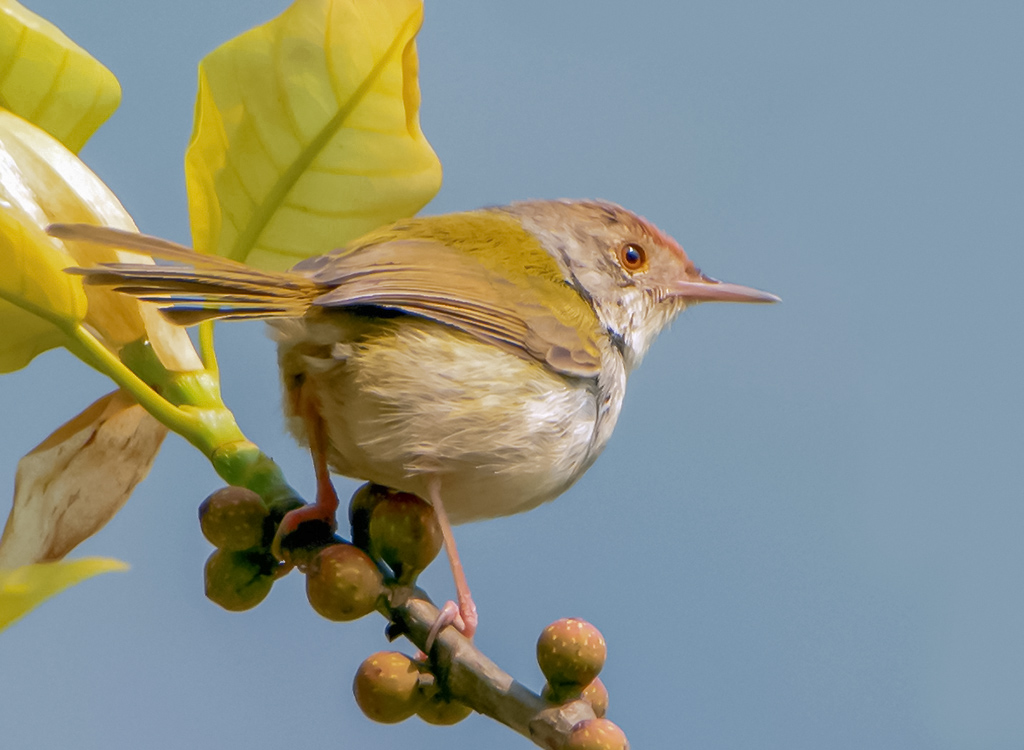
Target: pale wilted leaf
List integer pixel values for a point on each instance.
(307, 132)
(71, 484)
(49, 80)
(25, 587)
(41, 182)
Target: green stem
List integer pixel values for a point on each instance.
(215, 432)
(189, 403)
(206, 349)
(90, 350)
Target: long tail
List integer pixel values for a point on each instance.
(202, 287)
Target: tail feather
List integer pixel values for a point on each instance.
(201, 287)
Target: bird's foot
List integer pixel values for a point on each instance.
(463, 616)
(310, 525)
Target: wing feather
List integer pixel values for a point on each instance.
(533, 317)
(433, 280)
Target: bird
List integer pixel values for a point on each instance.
(476, 359)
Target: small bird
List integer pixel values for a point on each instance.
(476, 359)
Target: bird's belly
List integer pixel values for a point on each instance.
(417, 399)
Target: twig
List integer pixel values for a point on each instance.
(471, 678)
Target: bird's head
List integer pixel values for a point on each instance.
(635, 276)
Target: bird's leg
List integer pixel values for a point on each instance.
(326, 506)
(462, 615)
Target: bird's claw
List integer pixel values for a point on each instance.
(294, 519)
(463, 618)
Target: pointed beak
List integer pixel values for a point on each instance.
(712, 290)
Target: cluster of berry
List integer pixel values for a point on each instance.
(394, 537)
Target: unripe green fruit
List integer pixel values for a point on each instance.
(571, 651)
(234, 518)
(343, 583)
(596, 694)
(239, 580)
(387, 687)
(443, 712)
(360, 507)
(404, 533)
(596, 734)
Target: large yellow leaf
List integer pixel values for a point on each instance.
(307, 132)
(51, 81)
(24, 588)
(32, 283)
(76, 480)
(41, 182)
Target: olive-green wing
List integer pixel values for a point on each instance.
(533, 318)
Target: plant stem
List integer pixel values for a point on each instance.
(190, 404)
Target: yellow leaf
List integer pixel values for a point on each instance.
(70, 485)
(22, 589)
(32, 284)
(41, 182)
(49, 80)
(307, 132)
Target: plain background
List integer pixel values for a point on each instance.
(806, 532)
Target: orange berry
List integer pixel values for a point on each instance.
(343, 583)
(386, 687)
(596, 734)
(571, 651)
(596, 694)
(442, 711)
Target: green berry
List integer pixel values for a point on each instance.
(360, 507)
(404, 533)
(239, 580)
(571, 651)
(343, 583)
(387, 687)
(233, 518)
(443, 712)
(596, 734)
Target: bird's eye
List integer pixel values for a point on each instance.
(632, 257)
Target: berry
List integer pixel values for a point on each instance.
(386, 687)
(560, 694)
(404, 533)
(571, 651)
(233, 518)
(443, 712)
(343, 583)
(596, 694)
(360, 507)
(596, 734)
(239, 580)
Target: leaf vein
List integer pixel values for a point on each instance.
(12, 58)
(51, 91)
(286, 182)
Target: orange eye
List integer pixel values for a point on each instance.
(632, 257)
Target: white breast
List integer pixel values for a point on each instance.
(505, 434)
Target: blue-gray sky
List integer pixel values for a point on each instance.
(807, 529)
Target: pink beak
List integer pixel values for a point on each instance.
(712, 290)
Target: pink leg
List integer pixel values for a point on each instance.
(463, 615)
(326, 506)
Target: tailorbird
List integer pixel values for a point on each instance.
(476, 359)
